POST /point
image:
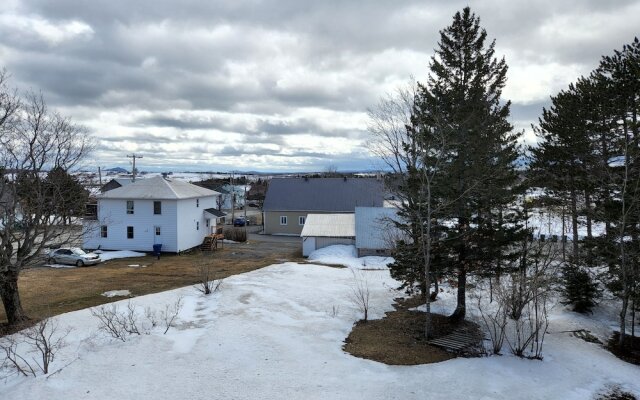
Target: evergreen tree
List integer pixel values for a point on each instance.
(579, 289)
(477, 183)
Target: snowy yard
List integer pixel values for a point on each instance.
(277, 333)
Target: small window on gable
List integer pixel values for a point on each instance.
(129, 232)
(197, 202)
(301, 220)
(197, 225)
(157, 207)
(283, 220)
(207, 222)
(129, 206)
(103, 231)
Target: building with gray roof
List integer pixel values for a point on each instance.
(289, 200)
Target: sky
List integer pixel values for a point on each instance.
(280, 85)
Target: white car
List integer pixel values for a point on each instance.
(74, 256)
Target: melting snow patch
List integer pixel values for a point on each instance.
(111, 255)
(117, 293)
(346, 255)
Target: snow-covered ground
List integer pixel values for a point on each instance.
(277, 333)
(112, 255)
(346, 255)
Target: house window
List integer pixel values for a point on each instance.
(129, 206)
(283, 220)
(129, 232)
(197, 202)
(197, 225)
(157, 229)
(103, 231)
(301, 220)
(157, 207)
(207, 222)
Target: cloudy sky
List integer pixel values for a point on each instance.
(279, 85)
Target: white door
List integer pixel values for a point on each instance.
(157, 235)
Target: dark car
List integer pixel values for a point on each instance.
(240, 221)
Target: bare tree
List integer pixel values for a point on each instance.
(33, 141)
(360, 293)
(413, 158)
(207, 283)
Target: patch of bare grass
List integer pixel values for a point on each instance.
(398, 338)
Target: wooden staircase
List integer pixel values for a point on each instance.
(210, 242)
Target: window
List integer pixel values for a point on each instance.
(103, 231)
(197, 225)
(301, 220)
(197, 202)
(129, 206)
(129, 232)
(157, 207)
(283, 220)
(157, 229)
(207, 222)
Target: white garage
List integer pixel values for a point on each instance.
(322, 230)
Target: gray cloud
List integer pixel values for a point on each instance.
(199, 82)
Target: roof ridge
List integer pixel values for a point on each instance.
(168, 183)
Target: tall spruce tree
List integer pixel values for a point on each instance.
(476, 186)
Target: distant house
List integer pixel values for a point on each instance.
(322, 230)
(375, 230)
(152, 211)
(288, 201)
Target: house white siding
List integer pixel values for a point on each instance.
(191, 224)
(308, 246)
(113, 214)
(375, 230)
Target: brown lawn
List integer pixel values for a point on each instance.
(50, 291)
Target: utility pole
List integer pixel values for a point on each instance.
(134, 156)
(100, 176)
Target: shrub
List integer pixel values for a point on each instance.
(579, 289)
(235, 234)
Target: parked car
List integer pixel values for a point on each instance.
(240, 221)
(73, 256)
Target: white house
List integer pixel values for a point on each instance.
(152, 211)
(322, 230)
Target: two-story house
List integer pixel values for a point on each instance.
(173, 213)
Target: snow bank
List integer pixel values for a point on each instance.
(277, 333)
(111, 255)
(346, 255)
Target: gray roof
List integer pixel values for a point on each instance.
(158, 188)
(215, 212)
(323, 194)
(124, 181)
